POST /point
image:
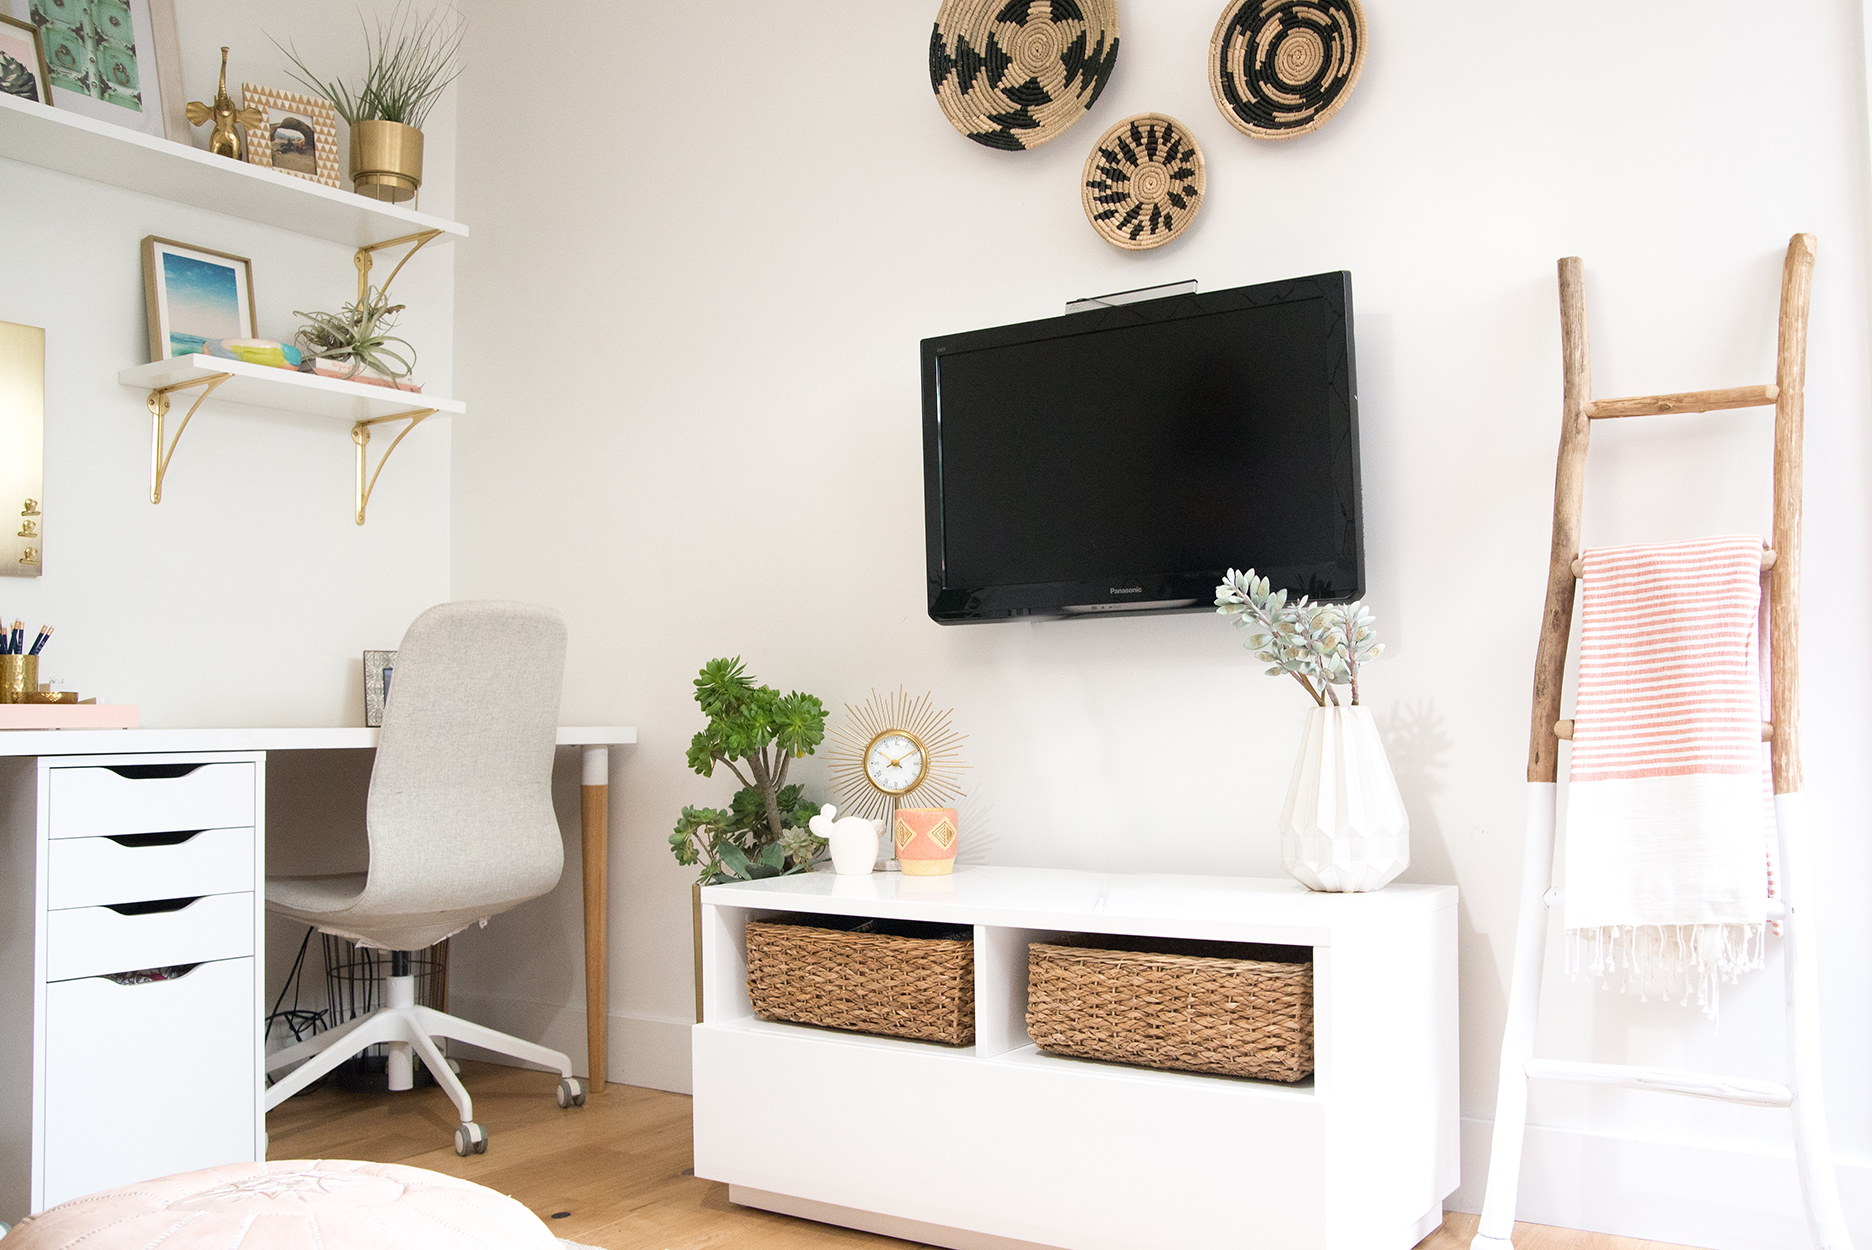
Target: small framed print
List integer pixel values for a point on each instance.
(299, 134)
(118, 61)
(23, 72)
(379, 668)
(193, 294)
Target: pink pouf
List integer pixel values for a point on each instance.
(301, 1204)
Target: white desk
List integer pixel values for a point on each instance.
(27, 806)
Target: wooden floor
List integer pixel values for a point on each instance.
(617, 1166)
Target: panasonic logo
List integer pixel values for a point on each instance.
(1127, 590)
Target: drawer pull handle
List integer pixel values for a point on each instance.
(152, 772)
(152, 906)
(135, 840)
(143, 976)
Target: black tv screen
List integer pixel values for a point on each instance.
(1123, 459)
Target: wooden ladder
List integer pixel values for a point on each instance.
(1813, 1157)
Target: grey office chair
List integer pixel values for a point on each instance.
(461, 827)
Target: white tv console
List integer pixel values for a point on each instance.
(997, 1146)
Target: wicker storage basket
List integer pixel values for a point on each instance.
(1222, 1007)
(898, 978)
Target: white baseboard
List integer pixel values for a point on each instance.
(643, 1051)
(1682, 1193)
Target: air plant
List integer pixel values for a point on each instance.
(358, 335)
(410, 57)
(1319, 645)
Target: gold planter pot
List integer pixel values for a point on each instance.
(386, 160)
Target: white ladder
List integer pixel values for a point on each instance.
(1519, 1065)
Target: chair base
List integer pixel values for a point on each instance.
(410, 1032)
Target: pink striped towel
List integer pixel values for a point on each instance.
(1666, 882)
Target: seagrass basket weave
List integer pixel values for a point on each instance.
(897, 978)
(1223, 1007)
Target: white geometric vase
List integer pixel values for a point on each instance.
(1344, 827)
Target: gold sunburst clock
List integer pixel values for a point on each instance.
(895, 751)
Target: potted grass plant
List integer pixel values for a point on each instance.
(1343, 827)
(410, 56)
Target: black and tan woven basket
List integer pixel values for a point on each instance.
(1222, 1007)
(1280, 69)
(897, 978)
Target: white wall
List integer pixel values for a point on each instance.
(687, 329)
(246, 596)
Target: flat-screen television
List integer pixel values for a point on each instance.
(1121, 460)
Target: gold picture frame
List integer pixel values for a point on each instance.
(298, 134)
(22, 38)
(22, 450)
(211, 297)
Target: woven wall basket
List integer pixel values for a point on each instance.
(1189, 1006)
(872, 982)
(1280, 68)
(1143, 182)
(1011, 74)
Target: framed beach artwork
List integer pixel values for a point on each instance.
(118, 61)
(23, 73)
(194, 294)
(299, 135)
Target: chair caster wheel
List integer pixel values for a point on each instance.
(470, 1139)
(571, 1092)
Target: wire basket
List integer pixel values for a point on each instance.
(354, 986)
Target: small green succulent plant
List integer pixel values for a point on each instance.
(1319, 645)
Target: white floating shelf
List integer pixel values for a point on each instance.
(286, 389)
(73, 144)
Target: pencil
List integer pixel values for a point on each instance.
(45, 636)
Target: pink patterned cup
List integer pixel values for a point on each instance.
(926, 840)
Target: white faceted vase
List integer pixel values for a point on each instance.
(1344, 828)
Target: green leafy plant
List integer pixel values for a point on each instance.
(763, 831)
(1319, 645)
(358, 335)
(410, 57)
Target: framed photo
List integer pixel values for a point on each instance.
(23, 71)
(194, 294)
(379, 666)
(299, 135)
(118, 61)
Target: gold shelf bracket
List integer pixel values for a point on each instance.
(363, 260)
(159, 408)
(360, 435)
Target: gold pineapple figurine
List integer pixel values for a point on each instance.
(222, 141)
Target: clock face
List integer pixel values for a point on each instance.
(895, 762)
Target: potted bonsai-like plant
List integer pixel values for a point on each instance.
(410, 57)
(756, 733)
(1343, 826)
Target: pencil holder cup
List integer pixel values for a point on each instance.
(19, 677)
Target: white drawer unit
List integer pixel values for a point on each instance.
(113, 1047)
(134, 868)
(1005, 1147)
(97, 941)
(141, 795)
(131, 920)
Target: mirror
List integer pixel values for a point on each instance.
(22, 450)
